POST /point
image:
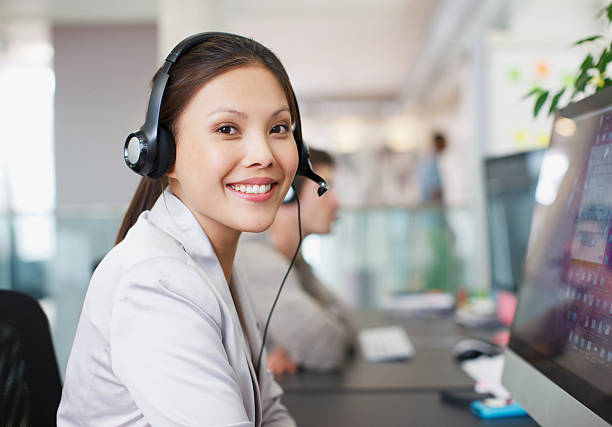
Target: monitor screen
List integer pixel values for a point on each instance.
(510, 194)
(563, 323)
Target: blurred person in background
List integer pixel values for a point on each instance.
(429, 171)
(310, 326)
(440, 271)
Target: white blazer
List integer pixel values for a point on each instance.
(160, 341)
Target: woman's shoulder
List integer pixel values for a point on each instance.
(146, 240)
(150, 261)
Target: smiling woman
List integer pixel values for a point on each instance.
(167, 334)
(247, 142)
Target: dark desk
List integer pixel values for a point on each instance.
(391, 394)
(385, 409)
(431, 369)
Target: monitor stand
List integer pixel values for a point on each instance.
(554, 406)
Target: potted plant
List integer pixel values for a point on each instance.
(594, 73)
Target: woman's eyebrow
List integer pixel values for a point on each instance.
(281, 110)
(230, 111)
(244, 115)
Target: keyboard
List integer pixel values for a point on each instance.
(385, 344)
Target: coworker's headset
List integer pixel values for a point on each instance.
(150, 151)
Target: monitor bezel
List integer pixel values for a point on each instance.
(585, 393)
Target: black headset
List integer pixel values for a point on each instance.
(150, 151)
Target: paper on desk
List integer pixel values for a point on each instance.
(487, 371)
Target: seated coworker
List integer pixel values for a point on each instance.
(309, 326)
(167, 335)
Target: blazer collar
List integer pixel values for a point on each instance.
(171, 216)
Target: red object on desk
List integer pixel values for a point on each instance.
(506, 306)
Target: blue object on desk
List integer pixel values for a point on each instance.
(496, 408)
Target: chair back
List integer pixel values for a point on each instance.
(30, 384)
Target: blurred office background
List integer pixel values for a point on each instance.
(374, 80)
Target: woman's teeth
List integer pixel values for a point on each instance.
(252, 189)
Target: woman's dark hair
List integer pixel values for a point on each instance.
(192, 70)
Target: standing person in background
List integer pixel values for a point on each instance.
(429, 171)
(310, 326)
(440, 271)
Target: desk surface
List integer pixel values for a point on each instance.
(431, 369)
(391, 394)
(386, 409)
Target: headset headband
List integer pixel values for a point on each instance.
(159, 85)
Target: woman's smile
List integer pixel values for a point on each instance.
(254, 189)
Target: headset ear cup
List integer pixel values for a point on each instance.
(166, 152)
(171, 149)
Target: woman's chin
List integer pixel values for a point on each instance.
(257, 226)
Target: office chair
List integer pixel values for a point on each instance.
(30, 384)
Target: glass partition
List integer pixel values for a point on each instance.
(58, 277)
(371, 254)
(374, 254)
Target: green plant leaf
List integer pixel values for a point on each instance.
(607, 82)
(541, 99)
(532, 92)
(605, 57)
(587, 39)
(555, 101)
(587, 63)
(607, 10)
(581, 81)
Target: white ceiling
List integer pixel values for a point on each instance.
(343, 50)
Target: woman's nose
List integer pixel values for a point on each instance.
(258, 152)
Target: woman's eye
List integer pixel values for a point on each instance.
(279, 129)
(227, 130)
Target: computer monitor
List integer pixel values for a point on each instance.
(559, 362)
(510, 183)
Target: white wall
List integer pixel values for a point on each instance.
(102, 85)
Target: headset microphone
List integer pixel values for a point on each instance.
(307, 171)
(304, 166)
(323, 187)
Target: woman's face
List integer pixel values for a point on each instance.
(235, 152)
